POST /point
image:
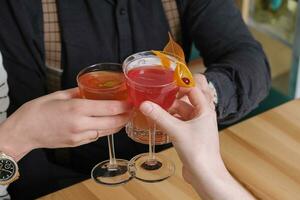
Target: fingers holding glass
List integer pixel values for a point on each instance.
(148, 80)
(105, 82)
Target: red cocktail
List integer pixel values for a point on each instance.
(148, 80)
(152, 83)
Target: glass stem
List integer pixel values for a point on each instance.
(152, 134)
(111, 149)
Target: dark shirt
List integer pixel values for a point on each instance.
(105, 31)
(96, 31)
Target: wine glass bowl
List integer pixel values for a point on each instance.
(148, 80)
(106, 81)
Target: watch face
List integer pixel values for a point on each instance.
(7, 169)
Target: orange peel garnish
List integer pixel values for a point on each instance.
(183, 76)
(174, 48)
(165, 61)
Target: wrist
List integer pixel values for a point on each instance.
(216, 181)
(207, 166)
(213, 163)
(12, 143)
(210, 175)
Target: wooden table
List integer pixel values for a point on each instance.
(172, 188)
(263, 153)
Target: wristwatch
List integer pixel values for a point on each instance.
(215, 97)
(9, 171)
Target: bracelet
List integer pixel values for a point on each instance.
(215, 97)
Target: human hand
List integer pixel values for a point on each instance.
(202, 84)
(60, 120)
(194, 132)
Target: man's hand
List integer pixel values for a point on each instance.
(60, 120)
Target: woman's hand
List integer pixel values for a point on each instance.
(201, 84)
(194, 134)
(193, 131)
(60, 120)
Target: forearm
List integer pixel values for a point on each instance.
(236, 64)
(233, 95)
(242, 80)
(218, 184)
(11, 141)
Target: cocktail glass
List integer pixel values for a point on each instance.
(148, 80)
(106, 82)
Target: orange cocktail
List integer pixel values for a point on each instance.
(106, 82)
(103, 85)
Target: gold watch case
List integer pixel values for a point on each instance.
(9, 167)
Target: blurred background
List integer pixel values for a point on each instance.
(276, 25)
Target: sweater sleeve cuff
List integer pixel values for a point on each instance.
(3, 191)
(226, 92)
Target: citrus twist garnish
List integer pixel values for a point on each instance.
(183, 76)
(174, 49)
(165, 61)
(109, 84)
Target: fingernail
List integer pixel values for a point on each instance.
(146, 108)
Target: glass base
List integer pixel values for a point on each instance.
(107, 174)
(151, 171)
